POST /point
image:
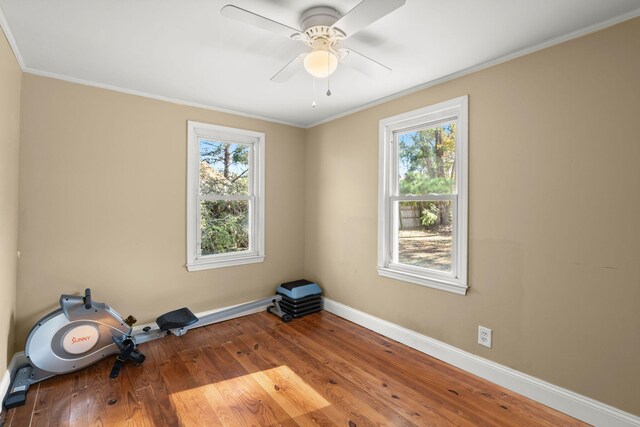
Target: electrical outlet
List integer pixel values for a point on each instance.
(484, 336)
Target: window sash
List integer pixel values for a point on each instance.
(251, 225)
(394, 239)
(217, 197)
(395, 152)
(230, 140)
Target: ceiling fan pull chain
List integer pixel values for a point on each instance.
(313, 104)
(328, 77)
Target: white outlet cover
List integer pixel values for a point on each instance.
(484, 336)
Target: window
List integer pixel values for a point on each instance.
(225, 196)
(422, 208)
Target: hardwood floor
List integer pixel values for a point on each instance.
(319, 370)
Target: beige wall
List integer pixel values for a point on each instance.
(554, 223)
(10, 76)
(554, 208)
(103, 200)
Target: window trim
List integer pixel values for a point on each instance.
(256, 140)
(429, 115)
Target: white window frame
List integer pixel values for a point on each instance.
(388, 193)
(256, 141)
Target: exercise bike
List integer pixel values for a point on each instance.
(83, 331)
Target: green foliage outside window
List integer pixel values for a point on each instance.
(224, 227)
(428, 218)
(427, 166)
(224, 171)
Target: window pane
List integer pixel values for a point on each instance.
(224, 168)
(224, 225)
(427, 160)
(424, 235)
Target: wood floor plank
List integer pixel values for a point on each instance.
(320, 370)
(22, 414)
(79, 411)
(138, 377)
(484, 396)
(192, 407)
(58, 415)
(155, 352)
(191, 341)
(389, 380)
(5, 417)
(115, 409)
(224, 331)
(355, 404)
(97, 400)
(422, 381)
(59, 412)
(301, 401)
(42, 409)
(150, 407)
(238, 384)
(409, 406)
(229, 409)
(133, 409)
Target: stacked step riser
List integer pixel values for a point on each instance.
(300, 298)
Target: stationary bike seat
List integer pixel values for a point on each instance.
(176, 319)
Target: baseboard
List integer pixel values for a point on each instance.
(4, 385)
(581, 407)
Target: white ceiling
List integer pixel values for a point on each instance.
(186, 51)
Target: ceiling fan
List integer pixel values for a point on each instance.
(322, 30)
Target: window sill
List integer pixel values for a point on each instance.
(441, 284)
(209, 263)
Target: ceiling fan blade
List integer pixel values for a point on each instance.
(363, 64)
(239, 14)
(365, 13)
(289, 70)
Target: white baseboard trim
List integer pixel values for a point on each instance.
(4, 384)
(581, 407)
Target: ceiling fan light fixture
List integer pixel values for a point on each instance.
(322, 28)
(321, 63)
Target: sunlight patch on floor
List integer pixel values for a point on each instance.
(281, 384)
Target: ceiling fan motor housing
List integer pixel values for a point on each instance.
(316, 23)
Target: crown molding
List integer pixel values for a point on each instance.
(113, 88)
(4, 24)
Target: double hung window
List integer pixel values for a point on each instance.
(422, 216)
(225, 196)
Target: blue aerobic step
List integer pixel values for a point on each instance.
(300, 297)
(299, 289)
